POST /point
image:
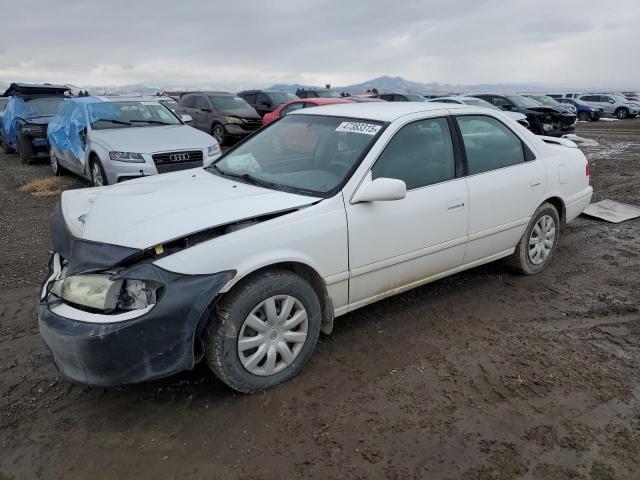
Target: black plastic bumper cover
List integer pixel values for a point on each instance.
(157, 344)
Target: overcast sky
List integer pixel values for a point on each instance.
(235, 44)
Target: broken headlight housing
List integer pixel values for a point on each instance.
(105, 293)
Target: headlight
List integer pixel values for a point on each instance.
(235, 120)
(213, 150)
(93, 291)
(126, 157)
(31, 129)
(103, 292)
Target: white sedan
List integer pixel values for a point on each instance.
(243, 263)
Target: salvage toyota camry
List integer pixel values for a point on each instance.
(328, 209)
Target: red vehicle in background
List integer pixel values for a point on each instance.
(294, 105)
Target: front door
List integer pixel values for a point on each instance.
(395, 245)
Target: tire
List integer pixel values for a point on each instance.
(233, 320)
(97, 175)
(522, 259)
(622, 113)
(6, 148)
(584, 116)
(55, 165)
(25, 149)
(217, 132)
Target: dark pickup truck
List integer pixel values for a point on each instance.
(26, 118)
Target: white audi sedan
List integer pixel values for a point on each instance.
(111, 139)
(243, 263)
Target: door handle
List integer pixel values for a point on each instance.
(536, 182)
(455, 205)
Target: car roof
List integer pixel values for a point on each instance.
(35, 89)
(384, 112)
(321, 101)
(208, 92)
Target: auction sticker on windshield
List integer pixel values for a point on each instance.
(359, 127)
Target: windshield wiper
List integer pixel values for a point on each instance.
(156, 122)
(117, 122)
(246, 177)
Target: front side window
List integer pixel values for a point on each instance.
(489, 144)
(500, 102)
(306, 154)
(419, 154)
(201, 103)
(250, 98)
(188, 102)
(292, 108)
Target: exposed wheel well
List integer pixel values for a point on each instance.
(316, 282)
(562, 211)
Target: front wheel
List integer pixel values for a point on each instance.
(584, 116)
(263, 332)
(98, 177)
(622, 113)
(219, 134)
(538, 243)
(25, 149)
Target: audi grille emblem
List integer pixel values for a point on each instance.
(179, 157)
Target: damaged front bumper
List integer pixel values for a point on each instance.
(103, 349)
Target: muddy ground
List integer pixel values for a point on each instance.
(484, 375)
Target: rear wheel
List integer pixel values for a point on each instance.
(6, 148)
(263, 332)
(98, 177)
(25, 149)
(538, 243)
(622, 113)
(55, 166)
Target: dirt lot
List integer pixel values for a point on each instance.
(484, 375)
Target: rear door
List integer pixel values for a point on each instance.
(202, 113)
(505, 184)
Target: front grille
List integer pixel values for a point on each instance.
(251, 124)
(173, 158)
(174, 167)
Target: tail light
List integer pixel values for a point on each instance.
(587, 169)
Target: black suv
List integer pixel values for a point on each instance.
(543, 119)
(266, 101)
(317, 93)
(221, 114)
(26, 117)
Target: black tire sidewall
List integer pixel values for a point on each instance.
(523, 247)
(221, 335)
(24, 150)
(93, 161)
(622, 113)
(223, 136)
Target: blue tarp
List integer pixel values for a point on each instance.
(16, 108)
(72, 117)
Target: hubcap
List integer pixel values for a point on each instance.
(542, 239)
(98, 181)
(273, 335)
(218, 133)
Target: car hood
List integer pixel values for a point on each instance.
(153, 139)
(38, 120)
(146, 212)
(242, 113)
(514, 115)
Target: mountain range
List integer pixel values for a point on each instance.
(382, 84)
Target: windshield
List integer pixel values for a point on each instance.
(620, 98)
(107, 115)
(552, 102)
(172, 104)
(415, 98)
(278, 98)
(229, 103)
(478, 102)
(328, 94)
(44, 106)
(523, 102)
(306, 154)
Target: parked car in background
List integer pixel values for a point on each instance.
(168, 102)
(585, 111)
(221, 114)
(317, 93)
(544, 120)
(478, 102)
(3, 103)
(266, 101)
(294, 105)
(552, 102)
(26, 116)
(401, 97)
(243, 263)
(111, 139)
(631, 96)
(615, 105)
(363, 98)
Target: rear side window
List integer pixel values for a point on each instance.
(201, 102)
(500, 102)
(489, 144)
(250, 98)
(263, 100)
(419, 154)
(188, 102)
(590, 98)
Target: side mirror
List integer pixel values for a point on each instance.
(186, 118)
(380, 190)
(206, 109)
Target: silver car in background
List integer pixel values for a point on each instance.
(111, 139)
